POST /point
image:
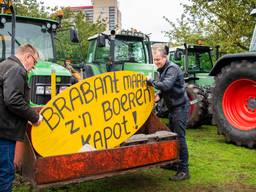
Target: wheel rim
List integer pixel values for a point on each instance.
(239, 104)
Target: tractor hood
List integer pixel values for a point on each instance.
(44, 68)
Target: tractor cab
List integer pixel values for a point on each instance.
(121, 50)
(196, 62)
(40, 33)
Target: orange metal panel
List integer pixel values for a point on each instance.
(76, 166)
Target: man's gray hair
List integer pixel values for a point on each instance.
(159, 48)
(27, 48)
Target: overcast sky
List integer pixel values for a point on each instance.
(144, 15)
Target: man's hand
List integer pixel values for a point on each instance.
(149, 78)
(39, 120)
(157, 98)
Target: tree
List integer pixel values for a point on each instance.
(87, 29)
(219, 22)
(32, 8)
(183, 32)
(74, 51)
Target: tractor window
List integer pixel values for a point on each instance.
(147, 54)
(174, 59)
(206, 63)
(200, 62)
(102, 53)
(91, 48)
(67, 50)
(129, 51)
(26, 33)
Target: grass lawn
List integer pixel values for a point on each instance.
(214, 166)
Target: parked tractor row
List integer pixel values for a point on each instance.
(235, 115)
(130, 50)
(234, 93)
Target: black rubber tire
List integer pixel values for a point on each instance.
(209, 119)
(228, 74)
(196, 118)
(198, 101)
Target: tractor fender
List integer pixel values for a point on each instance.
(229, 58)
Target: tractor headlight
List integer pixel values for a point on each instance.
(48, 25)
(62, 88)
(130, 33)
(3, 20)
(39, 90)
(48, 90)
(54, 26)
(123, 32)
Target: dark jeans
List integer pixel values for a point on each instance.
(178, 118)
(7, 149)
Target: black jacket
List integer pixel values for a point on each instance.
(14, 98)
(171, 85)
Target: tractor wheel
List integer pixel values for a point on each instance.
(209, 119)
(198, 106)
(234, 102)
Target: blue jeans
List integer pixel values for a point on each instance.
(178, 118)
(7, 148)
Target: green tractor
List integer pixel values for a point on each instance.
(234, 96)
(115, 51)
(196, 62)
(17, 30)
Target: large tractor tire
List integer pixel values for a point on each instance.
(198, 106)
(209, 119)
(197, 110)
(234, 100)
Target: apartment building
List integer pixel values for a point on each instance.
(103, 10)
(88, 12)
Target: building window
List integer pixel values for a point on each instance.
(112, 21)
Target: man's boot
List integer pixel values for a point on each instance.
(180, 176)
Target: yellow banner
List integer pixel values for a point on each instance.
(99, 112)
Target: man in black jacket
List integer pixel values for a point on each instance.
(14, 108)
(172, 89)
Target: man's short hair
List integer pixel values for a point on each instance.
(163, 50)
(27, 48)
